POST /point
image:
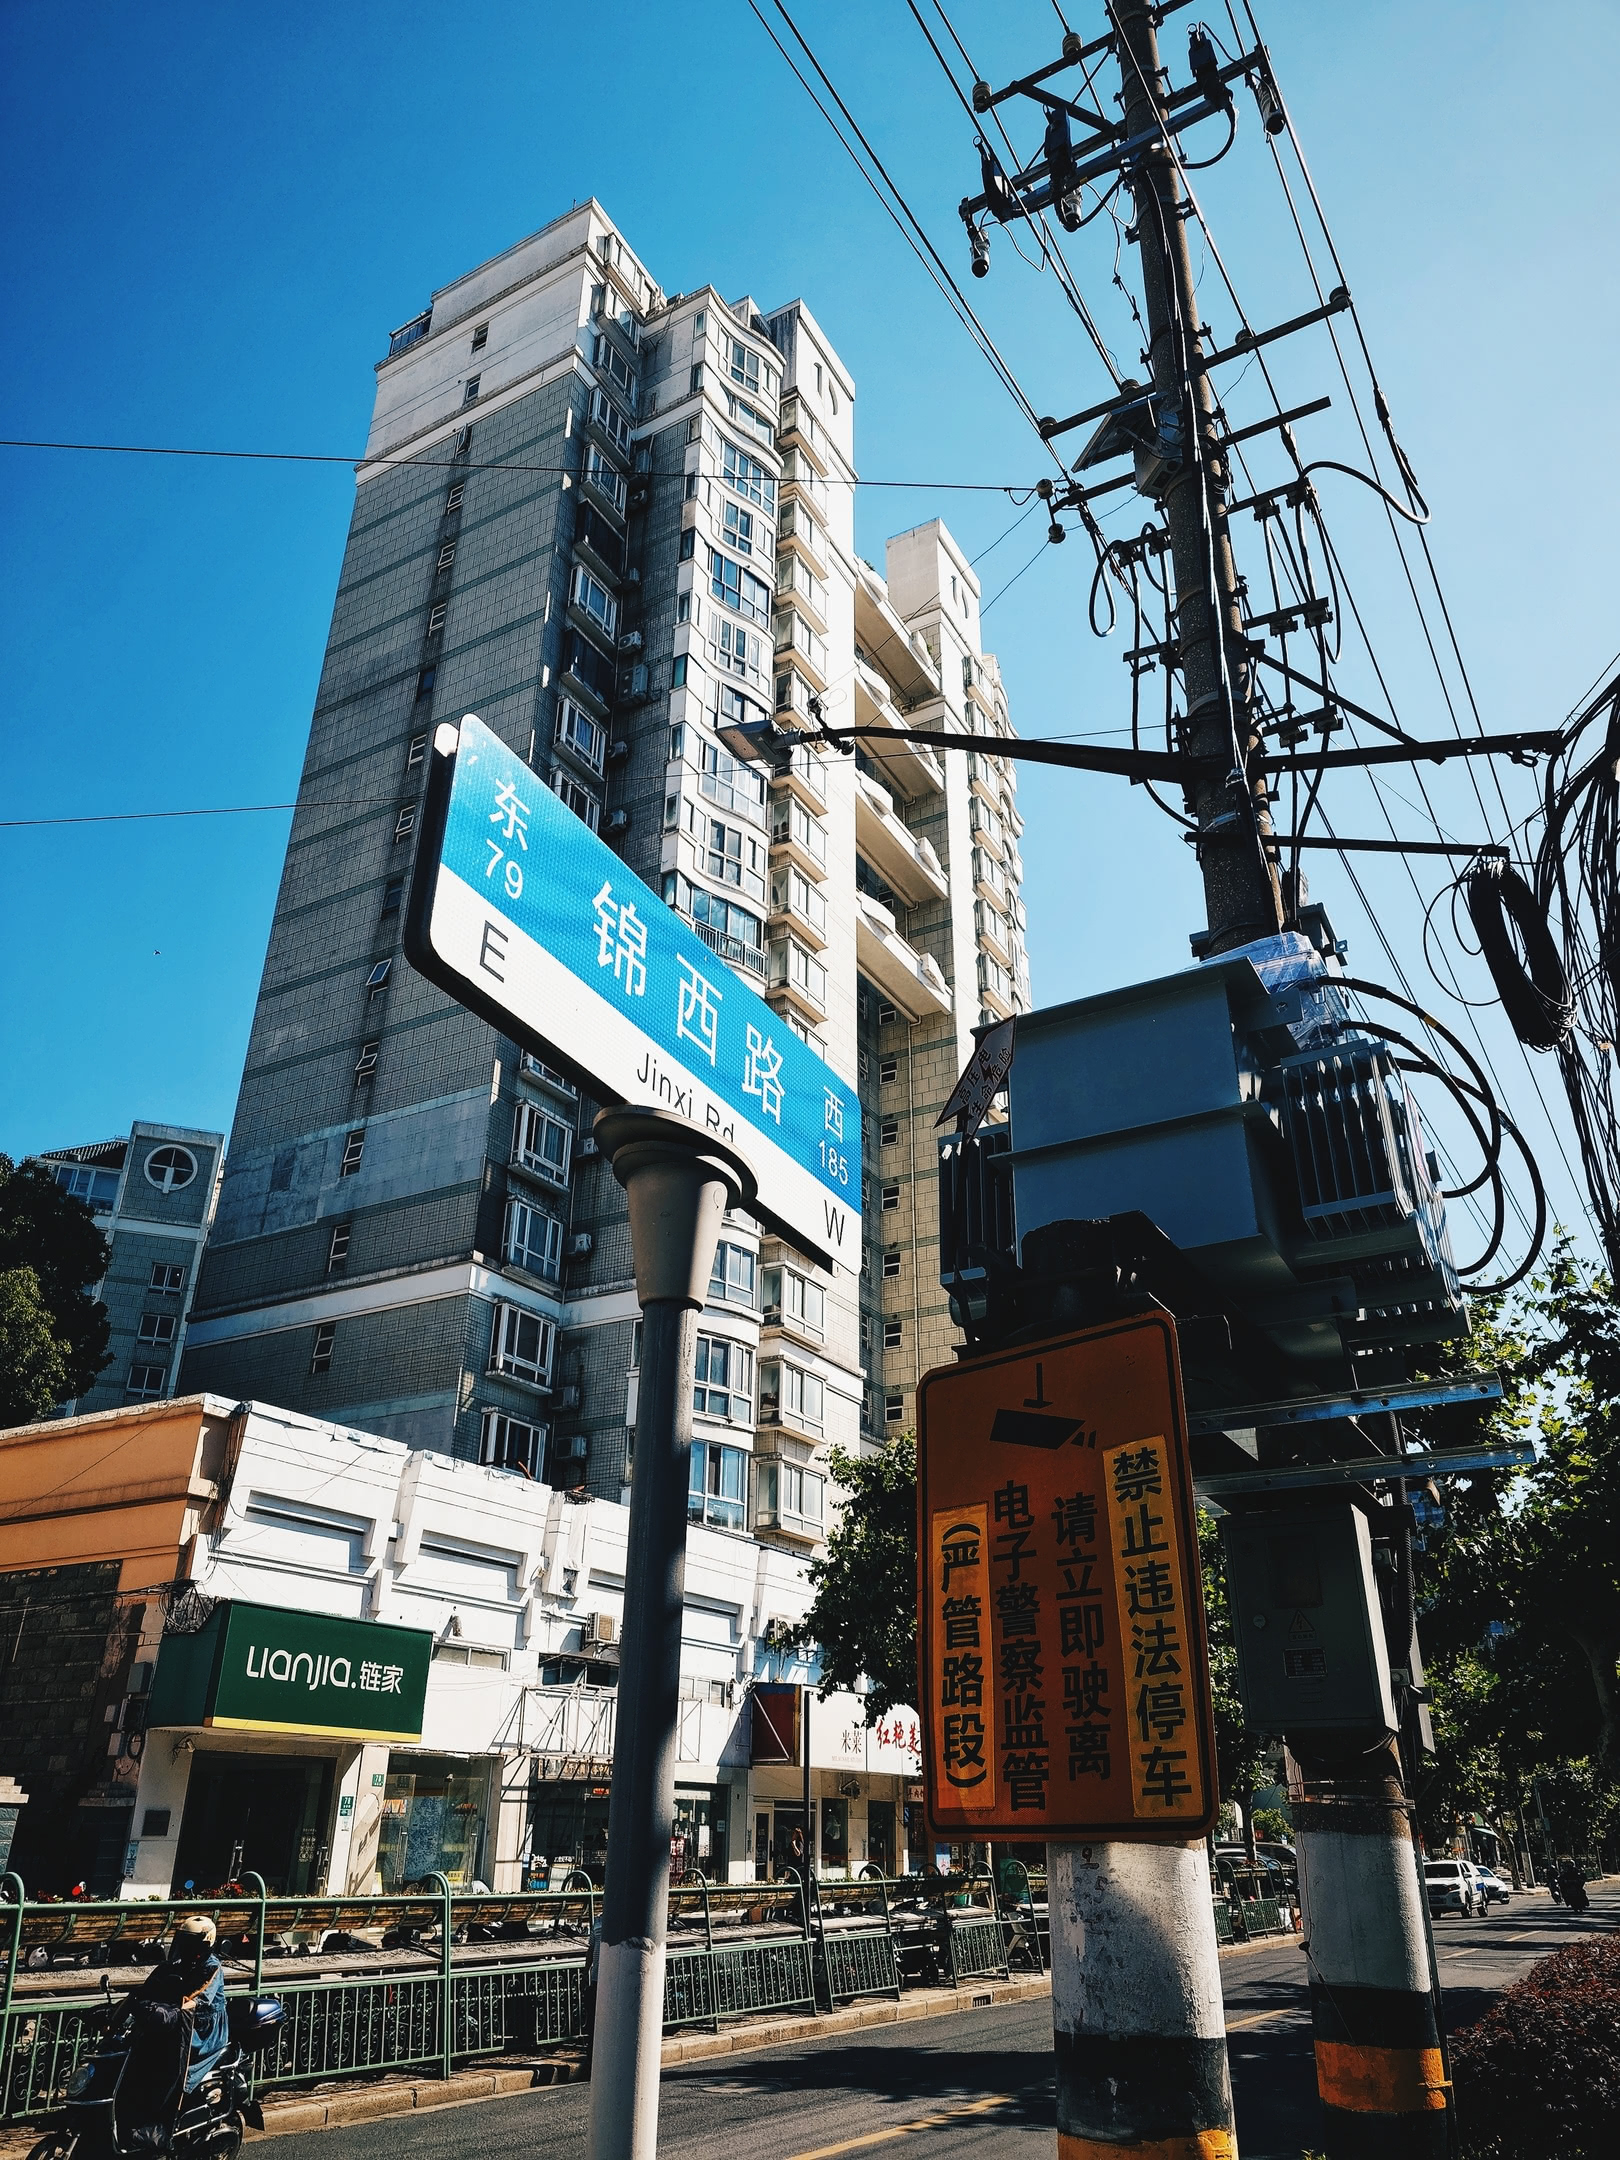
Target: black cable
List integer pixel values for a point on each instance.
(1534, 990)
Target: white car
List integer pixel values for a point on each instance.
(1451, 1888)
(1492, 1889)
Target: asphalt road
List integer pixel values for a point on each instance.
(972, 2086)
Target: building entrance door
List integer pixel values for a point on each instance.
(266, 1813)
(789, 1850)
(880, 1835)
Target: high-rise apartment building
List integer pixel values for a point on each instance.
(613, 522)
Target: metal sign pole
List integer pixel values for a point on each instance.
(678, 1186)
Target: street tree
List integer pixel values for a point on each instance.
(53, 1237)
(33, 1369)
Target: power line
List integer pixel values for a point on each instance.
(132, 817)
(461, 464)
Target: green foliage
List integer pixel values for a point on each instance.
(1540, 2072)
(1273, 1826)
(864, 1612)
(33, 1370)
(1239, 1754)
(47, 1232)
(1520, 1592)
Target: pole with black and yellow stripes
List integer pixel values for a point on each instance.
(1380, 2068)
(1137, 2019)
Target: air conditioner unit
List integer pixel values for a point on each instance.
(580, 1244)
(631, 641)
(570, 1448)
(588, 1146)
(633, 575)
(598, 1629)
(569, 1396)
(618, 821)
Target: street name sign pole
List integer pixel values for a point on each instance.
(1065, 1695)
(523, 915)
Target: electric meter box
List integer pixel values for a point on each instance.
(1306, 1621)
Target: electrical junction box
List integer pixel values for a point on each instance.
(1306, 1621)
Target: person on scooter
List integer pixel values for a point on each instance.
(181, 2030)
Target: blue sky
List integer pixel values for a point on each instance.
(216, 215)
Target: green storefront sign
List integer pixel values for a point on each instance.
(257, 1668)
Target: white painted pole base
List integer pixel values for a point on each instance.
(627, 2052)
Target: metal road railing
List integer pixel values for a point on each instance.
(424, 1981)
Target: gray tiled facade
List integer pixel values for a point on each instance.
(565, 468)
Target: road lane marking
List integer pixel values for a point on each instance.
(899, 2130)
(1259, 2018)
(1461, 1953)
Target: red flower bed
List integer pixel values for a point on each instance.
(1540, 2073)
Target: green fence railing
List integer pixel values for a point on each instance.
(424, 1981)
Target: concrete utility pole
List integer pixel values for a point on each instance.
(678, 1185)
(1380, 2069)
(1240, 883)
(1138, 2021)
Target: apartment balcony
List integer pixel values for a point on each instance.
(797, 838)
(795, 634)
(797, 977)
(796, 585)
(995, 935)
(796, 530)
(908, 979)
(996, 990)
(746, 959)
(799, 906)
(903, 656)
(900, 857)
(912, 768)
(987, 829)
(805, 779)
(989, 879)
(798, 429)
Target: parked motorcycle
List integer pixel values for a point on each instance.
(208, 2124)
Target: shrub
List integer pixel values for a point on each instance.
(1540, 2072)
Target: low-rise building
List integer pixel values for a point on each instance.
(252, 1640)
(152, 1194)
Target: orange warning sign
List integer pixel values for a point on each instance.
(1065, 1678)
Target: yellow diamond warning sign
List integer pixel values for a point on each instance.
(1065, 1682)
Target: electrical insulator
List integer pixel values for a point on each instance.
(1272, 117)
(979, 242)
(1205, 68)
(1055, 531)
(998, 194)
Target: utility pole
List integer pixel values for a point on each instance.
(1240, 882)
(679, 1184)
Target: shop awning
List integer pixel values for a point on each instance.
(260, 1668)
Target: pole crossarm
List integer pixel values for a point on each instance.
(1366, 1470)
(1360, 1402)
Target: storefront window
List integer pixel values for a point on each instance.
(568, 1823)
(698, 1839)
(880, 1835)
(835, 1837)
(432, 1822)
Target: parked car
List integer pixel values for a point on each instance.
(1285, 1857)
(1494, 1889)
(1451, 1888)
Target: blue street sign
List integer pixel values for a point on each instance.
(520, 912)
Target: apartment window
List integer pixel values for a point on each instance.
(436, 620)
(605, 477)
(416, 751)
(732, 1279)
(594, 599)
(677, 673)
(886, 1013)
(793, 1300)
(577, 796)
(891, 1334)
(471, 391)
(891, 1199)
(167, 1281)
(156, 1331)
(724, 1380)
(739, 528)
(735, 857)
(577, 731)
(453, 500)
(891, 1264)
(379, 975)
(146, 1380)
(320, 1357)
(393, 896)
(424, 684)
(894, 1410)
(695, 379)
(716, 1485)
(744, 365)
(688, 546)
(354, 1148)
(794, 967)
(889, 1132)
(788, 1497)
(609, 358)
(96, 1188)
(366, 1063)
(888, 1071)
(509, 1443)
(747, 416)
(734, 649)
(447, 555)
(542, 1144)
(520, 1345)
(790, 1396)
(405, 823)
(607, 416)
(337, 1252)
(721, 916)
(745, 476)
(480, 337)
(533, 1239)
